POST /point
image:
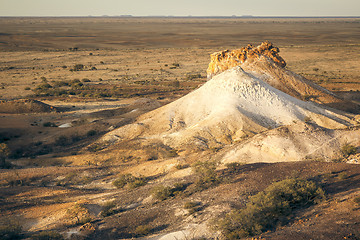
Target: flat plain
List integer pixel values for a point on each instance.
(103, 73)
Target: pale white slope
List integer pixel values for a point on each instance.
(228, 107)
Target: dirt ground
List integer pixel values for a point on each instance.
(132, 66)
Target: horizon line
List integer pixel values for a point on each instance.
(175, 16)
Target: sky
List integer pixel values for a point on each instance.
(179, 7)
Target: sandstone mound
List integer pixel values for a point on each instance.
(233, 105)
(25, 106)
(265, 63)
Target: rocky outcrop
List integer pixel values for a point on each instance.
(223, 60)
(265, 63)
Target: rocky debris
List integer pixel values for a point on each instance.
(223, 60)
(25, 106)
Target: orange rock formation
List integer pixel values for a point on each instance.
(223, 60)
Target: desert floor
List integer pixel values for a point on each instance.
(131, 66)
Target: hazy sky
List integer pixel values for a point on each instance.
(180, 7)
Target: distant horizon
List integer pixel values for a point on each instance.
(184, 8)
(173, 16)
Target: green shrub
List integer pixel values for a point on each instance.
(49, 124)
(343, 175)
(233, 166)
(130, 181)
(348, 150)
(138, 182)
(357, 200)
(77, 67)
(4, 153)
(192, 207)
(206, 175)
(193, 76)
(91, 133)
(162, 192)
(109, 209)
(142, 230)
(62, 141)
(79, 214)
(269, 208)
(47, 235)
(10, 231)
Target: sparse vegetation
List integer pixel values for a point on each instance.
(142, 230)
(91, 133)
(47, 235)
(190, 77)
(130, 181)
(109, 209)
(79, 214)
(348, 149)
(233, 166)
(78, 67)
(162, 192)
(192, 207)
(49, 124)
(4, 153)
(206, 175)
(356, 200)
(10, 231)
(269, 208)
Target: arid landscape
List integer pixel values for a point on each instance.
(177, 128)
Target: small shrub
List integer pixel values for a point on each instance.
(77, 67)
(109, 209)
(233, 166)
(307, 119)
(343, 175)
(130, 181)
(192, 207)
(348, 150)
(193, 76)
(206, 175)
(267, 209)
(164, 192)
(161, 192)
(79, 214)
(47, 235)
(142, 230)
(4, 153)
(49, 124)
(357, 200)
(91, 133)
(10, 231)
(138, 182)
(43, 86)
(180, 166)
(62, 141)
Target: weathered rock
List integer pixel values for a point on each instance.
(223, 60)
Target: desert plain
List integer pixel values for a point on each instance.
(67, 83)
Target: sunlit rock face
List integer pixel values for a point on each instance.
(223, 60)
